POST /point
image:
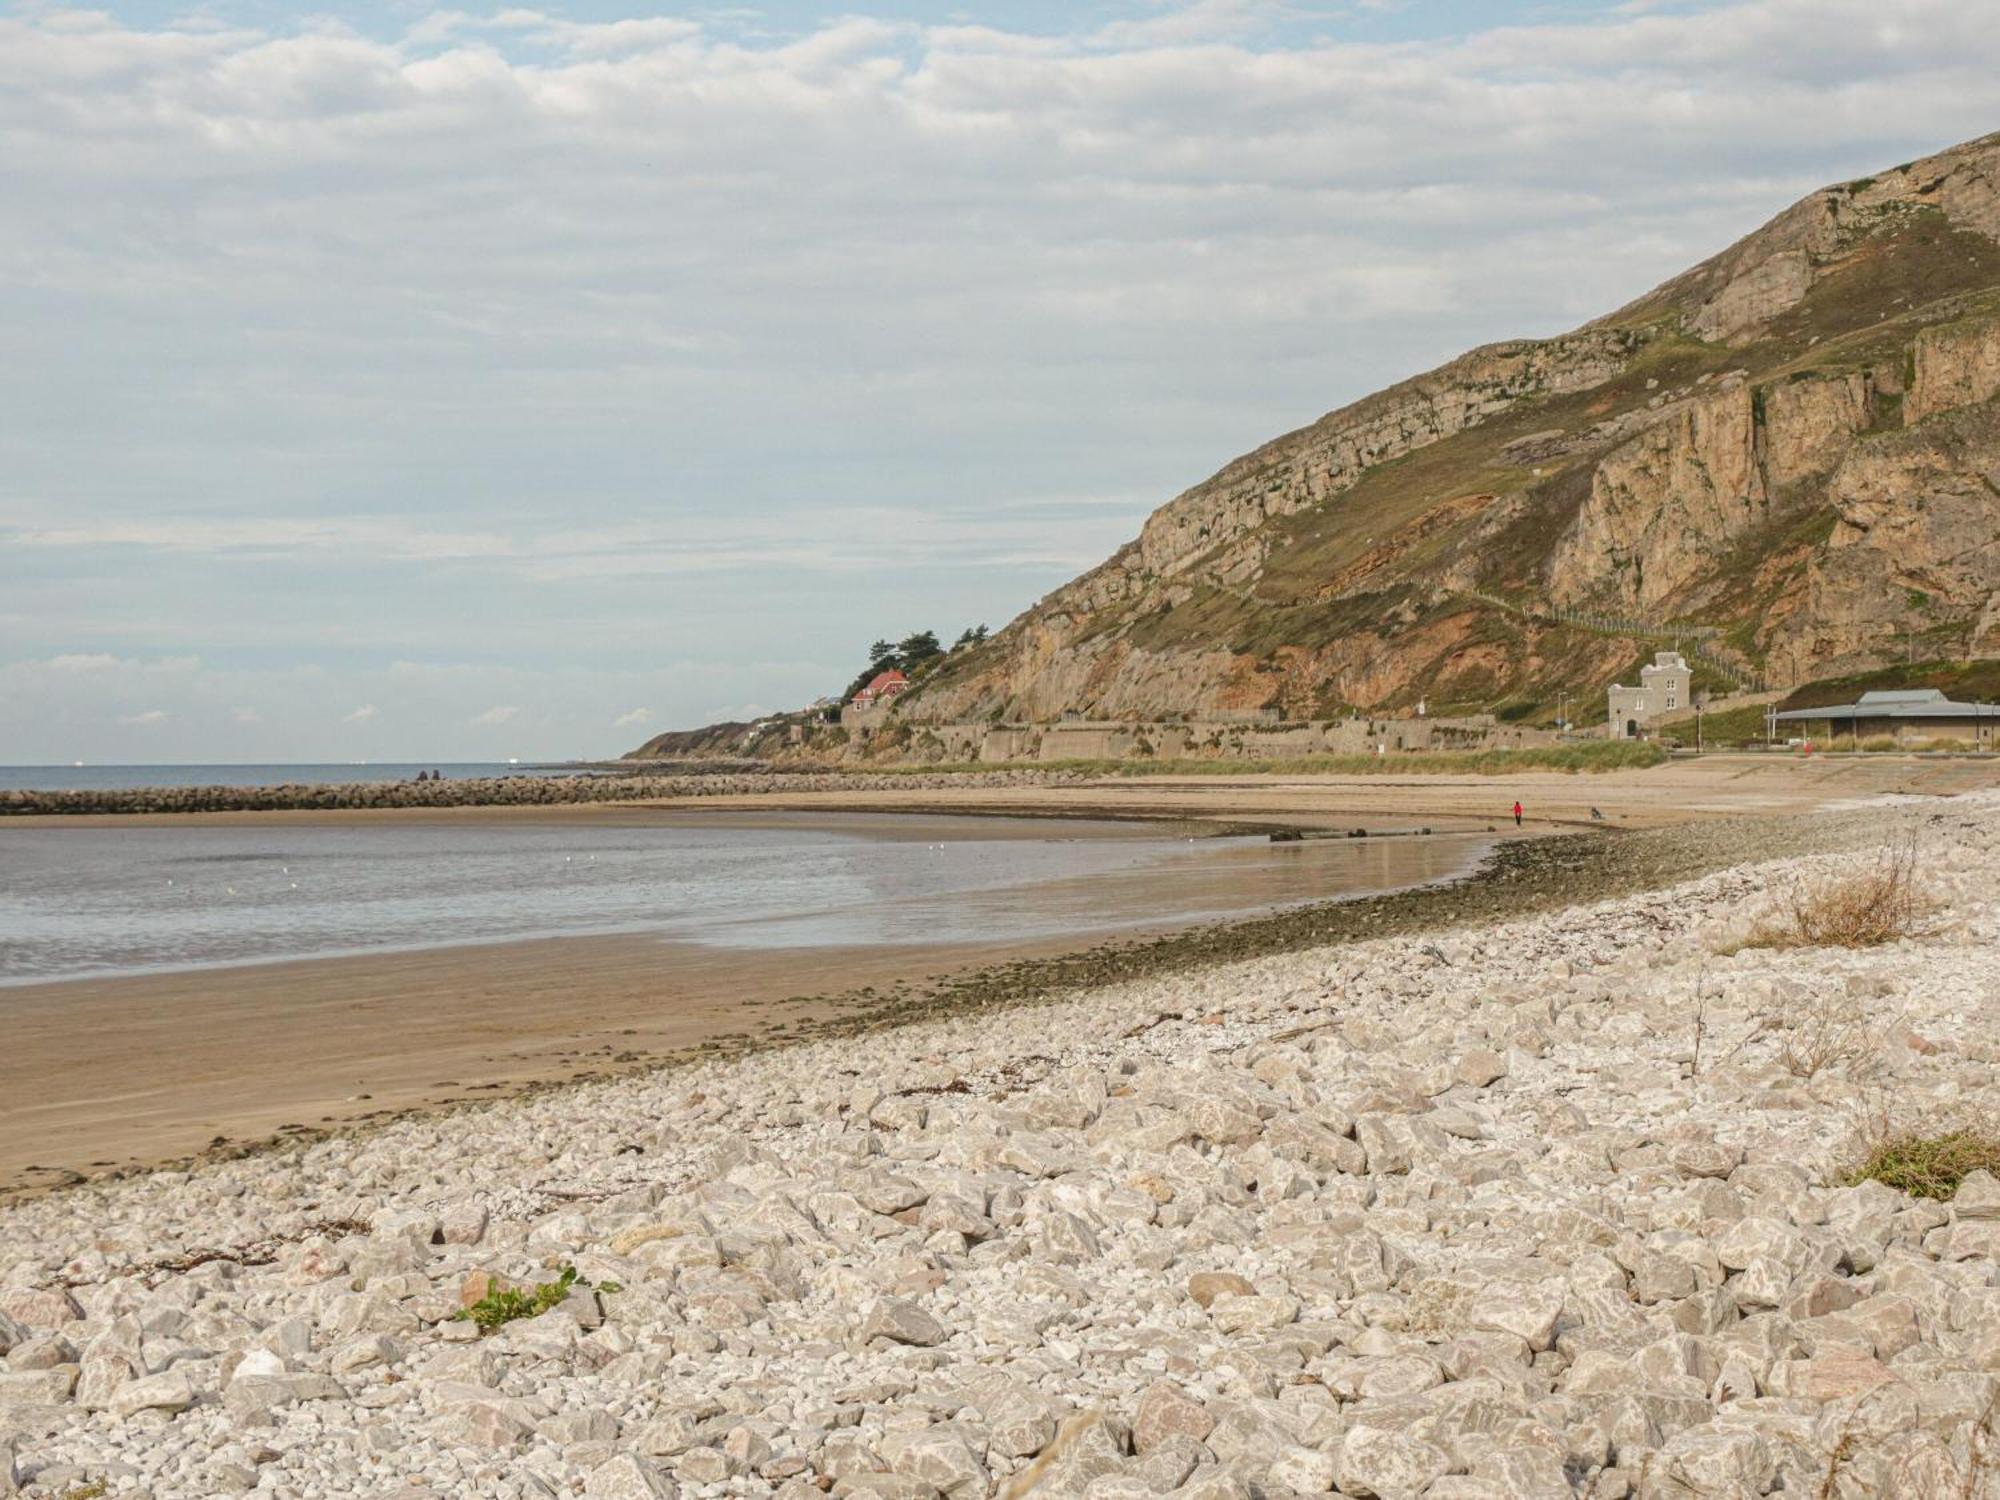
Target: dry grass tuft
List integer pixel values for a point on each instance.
(1928, 1166)
(1851, 909)
(1830, 1031)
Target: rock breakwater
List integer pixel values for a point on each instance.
(507, 791)
(1551, 1207)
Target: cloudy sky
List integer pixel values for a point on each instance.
(386, 382)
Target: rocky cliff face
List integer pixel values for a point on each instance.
(1795, 443)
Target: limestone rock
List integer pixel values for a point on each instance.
(1205, 1286)
(1375, 1461)
(170, 1391)
(901, 1322)
(627, 1477)
(1167, 1412)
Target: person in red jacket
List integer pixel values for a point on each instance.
(1517, 815)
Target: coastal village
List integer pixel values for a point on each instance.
(1664, 706)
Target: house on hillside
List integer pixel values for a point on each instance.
(868, 707)
(881, 688)
(1663, 687)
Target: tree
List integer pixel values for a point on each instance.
(881, 657)
(972, 635)
(921, 647)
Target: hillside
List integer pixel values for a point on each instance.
(1790, 453)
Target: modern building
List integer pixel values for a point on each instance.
(1664, 688)
(1908, 713)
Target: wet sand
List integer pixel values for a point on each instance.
(111, 1073)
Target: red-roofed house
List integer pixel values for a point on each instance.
(869, 708)
(881, 688)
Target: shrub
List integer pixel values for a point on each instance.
(1850, 909)
(1928, 1166)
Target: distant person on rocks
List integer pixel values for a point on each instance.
(1517, 815)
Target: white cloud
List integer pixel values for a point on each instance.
(834, 539)
(500, 713)
(533, 343)
(631, 718)
(360, 715)
(149, 716)
(247, 716)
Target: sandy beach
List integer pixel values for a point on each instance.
(109, 1073)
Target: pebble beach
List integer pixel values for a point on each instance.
(1549, 1206)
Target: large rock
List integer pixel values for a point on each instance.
(627, 1477)
(170, 1391)
(901, 1321)
(1165, 1412)
(1375, 1461)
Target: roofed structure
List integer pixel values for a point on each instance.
(1899, 710)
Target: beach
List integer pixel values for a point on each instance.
(425, 963)
(1548, 1203)
(109, 1075)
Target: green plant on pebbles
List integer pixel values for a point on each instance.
(1929, 1166)
(507, 1304)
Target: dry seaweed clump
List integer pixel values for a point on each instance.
(1863, 908)
(1929, 1166)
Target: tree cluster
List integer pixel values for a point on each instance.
(912, 655)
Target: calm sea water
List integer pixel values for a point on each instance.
(96, 901)
(112, 778)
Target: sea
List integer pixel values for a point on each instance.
(93, 900)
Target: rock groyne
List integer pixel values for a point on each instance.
(504, 791)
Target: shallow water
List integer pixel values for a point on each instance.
(97, 901)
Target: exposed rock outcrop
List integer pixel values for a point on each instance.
(1311, 466)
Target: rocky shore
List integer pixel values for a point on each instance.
(503, 791)
(1553, 1205)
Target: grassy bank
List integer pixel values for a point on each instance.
(1590, 756)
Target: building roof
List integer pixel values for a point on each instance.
(1900, 695)
(1903, 703)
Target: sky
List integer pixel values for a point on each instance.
(390, 382)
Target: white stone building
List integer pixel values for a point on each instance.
(1663, 688)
